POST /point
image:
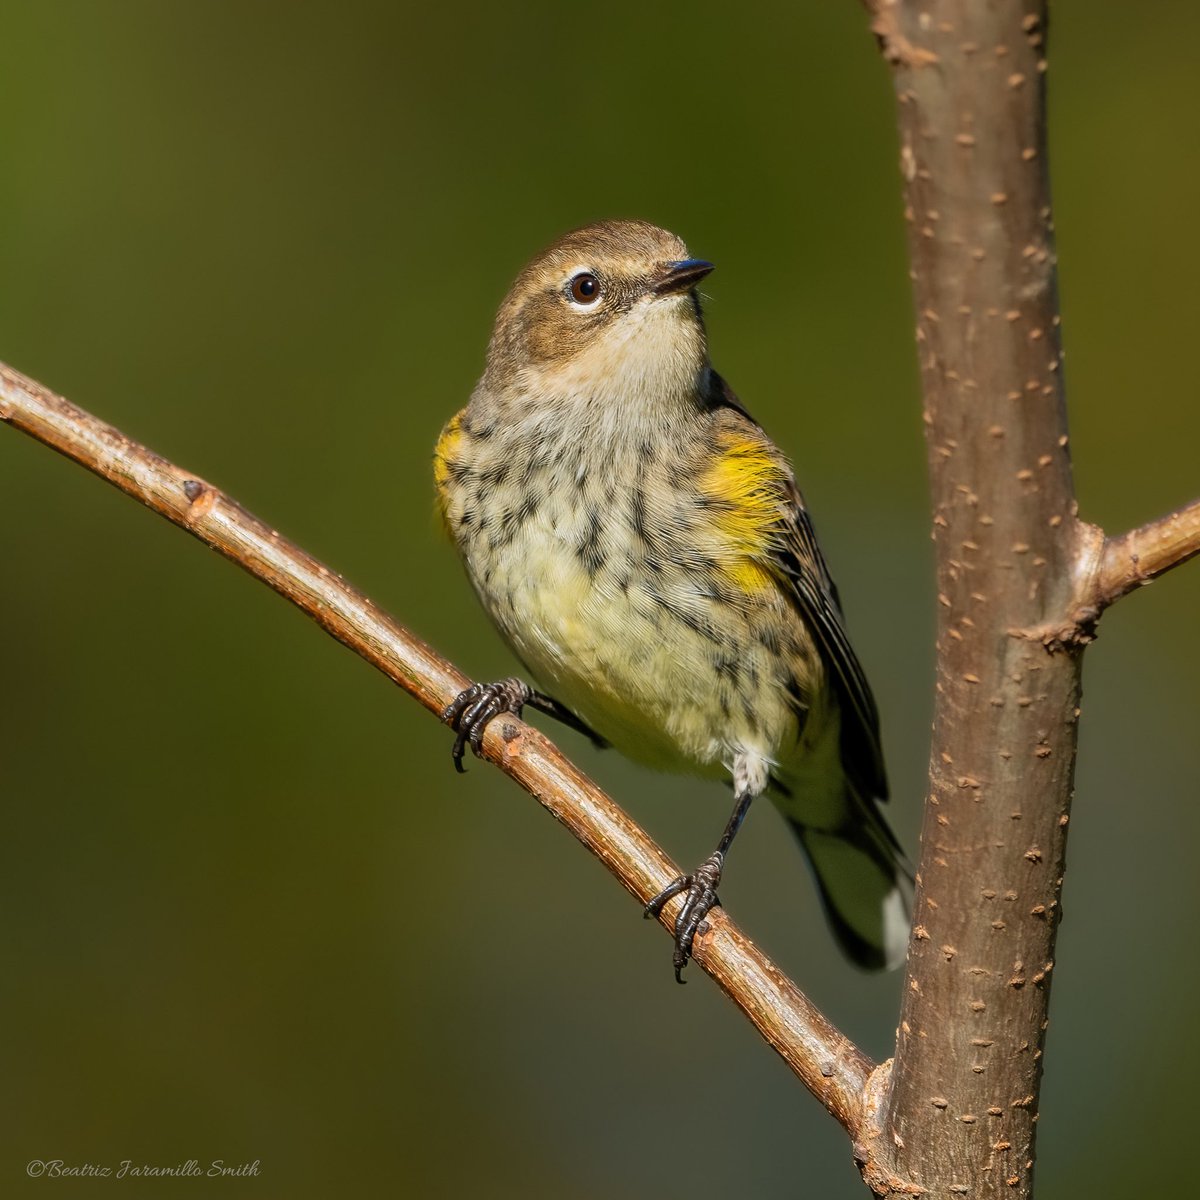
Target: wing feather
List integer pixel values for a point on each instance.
(796, 556)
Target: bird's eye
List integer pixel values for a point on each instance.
(584, 288)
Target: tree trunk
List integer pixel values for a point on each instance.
(960, 1114)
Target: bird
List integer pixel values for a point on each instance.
(641, 544)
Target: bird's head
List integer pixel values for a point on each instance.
(608, 313)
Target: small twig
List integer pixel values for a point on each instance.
(1137, 557)
(828, 1064)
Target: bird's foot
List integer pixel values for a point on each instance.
(471, 710)
(700, 896)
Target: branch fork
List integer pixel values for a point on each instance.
(1109, 568)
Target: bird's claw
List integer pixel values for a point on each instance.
(471, 710)
(700, 897)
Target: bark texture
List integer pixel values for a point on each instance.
(960, 1115)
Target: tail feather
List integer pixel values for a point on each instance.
(864, 886)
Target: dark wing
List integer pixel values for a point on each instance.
(799, 559)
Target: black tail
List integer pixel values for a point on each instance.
(865, 887)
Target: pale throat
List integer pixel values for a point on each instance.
(643, 369)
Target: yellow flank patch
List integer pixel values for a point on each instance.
(746, 487)
(443, 453)
(748, 576)
(443, 456)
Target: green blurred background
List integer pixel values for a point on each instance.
(249, 911)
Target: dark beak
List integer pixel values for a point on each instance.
(681, 276)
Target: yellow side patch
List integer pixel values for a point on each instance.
(748, 576)
(448, 442)
(745, 484)
(444, 454)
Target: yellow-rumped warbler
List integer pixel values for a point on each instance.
(641, 544)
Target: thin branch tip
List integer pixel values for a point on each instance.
(1135, 559)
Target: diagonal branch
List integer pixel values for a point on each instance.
(827, 1063)
(1135, 558)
